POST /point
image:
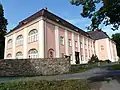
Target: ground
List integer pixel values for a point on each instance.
(100, 78)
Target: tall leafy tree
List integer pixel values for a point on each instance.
(105, 12)
(116, 39)
(3, 29)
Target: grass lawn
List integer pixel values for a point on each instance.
(46, 85)
(115, 67)
(82, 67)
(85, 67)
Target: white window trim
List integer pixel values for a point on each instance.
(61, 40)
(19, 41)
(33, 37)
(33, 55)
(70, 42)
(76, 44)
(19, 55)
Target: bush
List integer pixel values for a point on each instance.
(93, 59)
(108, 61)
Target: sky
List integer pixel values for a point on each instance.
(17, 10)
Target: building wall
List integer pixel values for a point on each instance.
(101, 49)
(26, 46)
(49, 34)
(62, 46)
(106, 49)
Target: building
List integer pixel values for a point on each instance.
(45, 35)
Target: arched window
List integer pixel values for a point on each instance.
(50, 53)
(19, 55)
(9, 56)
(9, 43)
(19, 40)
(33, 53)
(33, 35)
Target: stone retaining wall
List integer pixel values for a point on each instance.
(33, 67)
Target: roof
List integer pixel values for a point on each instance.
(98, 34)
(45, 13)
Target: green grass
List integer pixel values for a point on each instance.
(78, 69)
(82, 67)
(115, 67)
(85, 67)
(46, 85)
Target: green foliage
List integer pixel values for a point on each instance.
(46, 85)
(93, 59)
(3, 29)
(3, 21)
(116, 39)
(100, 12)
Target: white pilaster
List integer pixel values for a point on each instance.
(25, 43)
(13, 48)
(96, 49)
(83, 48)
(108, 48)
(87, 48)
(73, 49)
(93, 47)
(79, 48)
(111, 51)
(41, 38)
(57, 42)
(115, 49)
(66, 42)
(5, 47)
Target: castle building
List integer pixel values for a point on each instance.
(46, 35)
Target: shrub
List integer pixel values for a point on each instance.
(108, 61)
(93, 59)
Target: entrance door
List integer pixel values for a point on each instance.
(77, 58)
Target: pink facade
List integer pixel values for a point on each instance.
(62, 47)
(70, 47)
(51, 38)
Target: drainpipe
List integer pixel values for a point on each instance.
(45, 37)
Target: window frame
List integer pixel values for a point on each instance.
(76, 44)
(61, 40)
(70, 42)
(19, 55)
(33, 55)
(9, 54)
(19, 40)
(33, 35)
(9, 44)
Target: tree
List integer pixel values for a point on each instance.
(3, 29)
(116, 39)
(107, 12)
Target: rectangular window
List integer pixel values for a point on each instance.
(81, 57)
(61, 40)
(76, 44)
(80, 44)
(70, 43)
(86, 52)
(71, 57)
